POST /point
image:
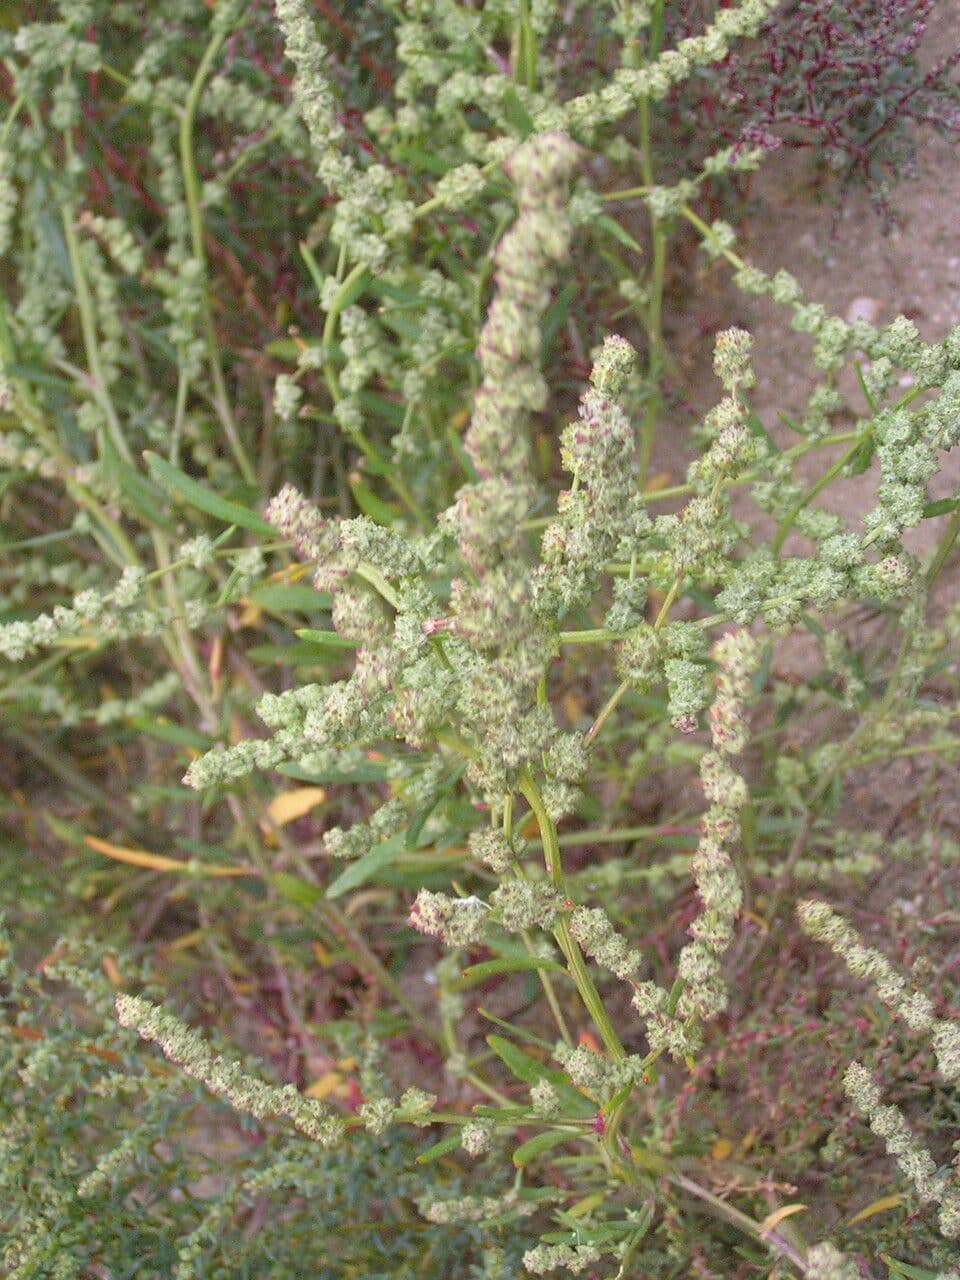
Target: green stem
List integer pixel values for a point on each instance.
(620, 835)
(179, 413)
(12, 114)
(525, 70)
(337, 304)
(254, 149)
(117, 545)
(786, 524)
(708, 233)
(568, 944)
(88, 329)
(740, 1220)
(190, 666)
(658, 236)
(664, 614)
(796, 451)
(546, 983)
(629, 193)
(607, 710)
(655, 338)
(598, 635)
(943, 550)
(191, 189)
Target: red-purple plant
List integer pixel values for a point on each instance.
(844, 79)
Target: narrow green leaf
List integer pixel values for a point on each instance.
(166, 731)
(226, 592)
(517, 113)
(389, 410)
(530, 1071)
(313, 267)
(69, 832)
(302, 654)
(757, 429)
(293, 598)
(537, 1146)
(37, 376)
(555, 316)
(301, 892)
(144, 497)
(403, 325)
(442, 1148)
(369, 503)
(863, 457)
(587, 1235)
(613, 228)
(520, 1064)
(423, 159)
(366, 868)
(371, 771)
(522, 1032)
(419, 818)
(907, 1271)
(813, 625)
(398, 293)
(506, 964)
(195, 494)
(325, 639)
(941, 507)
(283, 349)
(792, 424)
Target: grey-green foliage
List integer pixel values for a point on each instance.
(436, 280)
(112, 1160)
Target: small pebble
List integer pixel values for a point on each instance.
(863, 308)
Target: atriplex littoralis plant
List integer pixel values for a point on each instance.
(474, 595)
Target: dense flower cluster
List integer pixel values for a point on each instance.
(509, 346)
(602, 514)
(183, 1045)
(914, 1007)
(436, 228)
(915, 1161)
(116, 613)
(736, 655)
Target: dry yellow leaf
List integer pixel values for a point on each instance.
(135, 857)
(112, 970)
(324, 1085)
(573, 706)
(333, 1081)
(215, 662)
(774, 1219)
(722, 1149)
(878, 1206)
(250, 615)
(290, 805)
(185, 941)
(586, 1205)
(657, 482)
(294, 573)
(158, 862)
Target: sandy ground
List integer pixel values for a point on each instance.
(862, 272)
